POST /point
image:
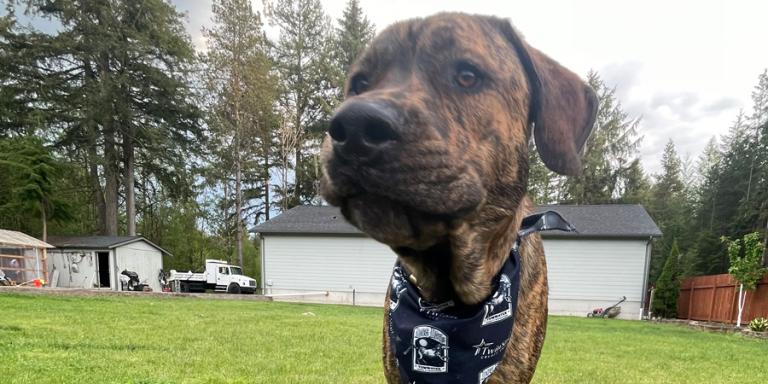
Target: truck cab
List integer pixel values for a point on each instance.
(226, 277)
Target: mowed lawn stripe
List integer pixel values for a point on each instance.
(55, 339)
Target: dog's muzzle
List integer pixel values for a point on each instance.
(361, 130)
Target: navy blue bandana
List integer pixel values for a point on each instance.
(455, 343)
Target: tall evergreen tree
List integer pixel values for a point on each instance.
(636, 187)
(734, 181)
(302, 56)
(668, 207)
(706, 255)
(353, 33)
(242, 91)
(30, 172)
(610, 150)
(111, 83)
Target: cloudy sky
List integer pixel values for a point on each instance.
(685, 67)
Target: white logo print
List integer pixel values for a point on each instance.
(426, 306)
(435, 311)
(486, 373)
(430, 350)
(397, 288)
(499, 306)
(486, 350)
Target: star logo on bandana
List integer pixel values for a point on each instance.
(483, 346)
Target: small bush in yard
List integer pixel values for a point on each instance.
(759, 324)
(746, 265)
(668, 286)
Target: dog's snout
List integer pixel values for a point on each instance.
(362, 129)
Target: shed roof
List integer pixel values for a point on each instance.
(18, 239)
(98, 242)
(607, 220)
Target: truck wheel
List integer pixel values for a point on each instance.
(233, 288)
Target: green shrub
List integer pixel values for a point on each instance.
(668, 286)
(759, 324)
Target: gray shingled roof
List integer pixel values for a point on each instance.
(97, 242)
(606, 220)
(609, 220)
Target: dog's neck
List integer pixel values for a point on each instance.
(463, 268)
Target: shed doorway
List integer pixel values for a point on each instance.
(103, 264)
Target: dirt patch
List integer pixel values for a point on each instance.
(106, 292)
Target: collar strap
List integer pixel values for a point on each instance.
(545, 221)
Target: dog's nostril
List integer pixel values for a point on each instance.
(337, 131)
(378, 132)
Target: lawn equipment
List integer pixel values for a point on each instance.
(129, 280)
(609, 312)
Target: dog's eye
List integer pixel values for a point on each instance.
(358, 85)
(467, 77)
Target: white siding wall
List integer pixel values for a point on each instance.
(141, 258)
(583, 274)
(590, 273)
(339, 264)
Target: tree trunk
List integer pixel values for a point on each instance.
(98, 192)
(111, 158)
(45, 223)
(742, 300)
(239, 205)
(111, 185)
(144, 205)
(265, 144)
(298, 175)
(227, 225)
(238, 172)
(129, 178)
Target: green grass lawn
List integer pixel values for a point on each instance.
(54, 339)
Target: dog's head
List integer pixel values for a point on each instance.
(434, 131)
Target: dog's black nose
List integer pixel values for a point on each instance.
(360, 130)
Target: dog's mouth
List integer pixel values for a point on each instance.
(395, 223)
(419, 238)
(403, 203)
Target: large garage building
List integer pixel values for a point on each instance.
(311, 253)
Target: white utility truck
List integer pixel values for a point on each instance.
(219, 276)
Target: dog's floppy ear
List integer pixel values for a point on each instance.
(563, 108)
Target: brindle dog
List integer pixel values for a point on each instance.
(429, 155)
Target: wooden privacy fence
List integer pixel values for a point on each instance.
(715, 298)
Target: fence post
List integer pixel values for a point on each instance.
(712, 306)
(690, 298)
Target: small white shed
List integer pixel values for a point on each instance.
(311, 249)
(97, 261)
